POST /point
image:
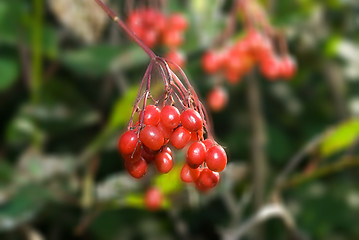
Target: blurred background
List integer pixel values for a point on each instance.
(68, 80)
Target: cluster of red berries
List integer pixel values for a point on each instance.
(238, 59)
(149, 143)
(154, 28)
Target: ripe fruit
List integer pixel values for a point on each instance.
(177, 57)
(196, 154)
(208, 143)
(189, 174)
(151, 115)
(163, 162)
(153, 199)
(216, 158)
(136, 168)
(191, 120)
(217, 99)
(128, 142)
(288, 67)
(151, 137)
(177, 21)
(207, 180)
(167, 132)
(170, 117)
(180, 137)
(167, 150)
(172, 38)
(211, 61)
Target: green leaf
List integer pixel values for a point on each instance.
(169, 182)
(9, 70)
(340, 138)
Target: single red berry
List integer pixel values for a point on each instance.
(289, 67)
(163, 162)
(152, 115)
(135, 155)
(172, 38)
(270, 68)
(177, 21)
(128, 142)
(216, 158)
(151, 137)
(196, 154)
(207, 180)
(211, 62)
(217, 99)
(180, 137)
(170, 117)
(136, 168)
(189, 174)
(153, 199)
(208, 143)
(167, 149)
(191, 120)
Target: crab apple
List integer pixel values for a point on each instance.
(163, 162)
(153, 199)
(207, 180)
(177, 21)
(167, 132)
(289, 67)
(216, 158)
(151, 137)
(180, 137)
(196, 154)
(128, 142)
(212, 62)
(217, 99)
(177, 57)
(172, 38)
(136, 168)
(191, 120)
(189, 174)
(152, 115)
(170, 117)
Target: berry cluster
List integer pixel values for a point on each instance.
(154, 28)
(239, 58)
(162, 124)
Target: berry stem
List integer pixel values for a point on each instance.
(115, 18)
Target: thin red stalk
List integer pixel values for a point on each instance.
(115, 18)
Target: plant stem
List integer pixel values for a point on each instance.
(36, 62)
(115, 18)
(258, 144)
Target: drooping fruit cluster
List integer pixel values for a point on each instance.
(154, 28)
(238, 59)
(176, 119)
(153, 199)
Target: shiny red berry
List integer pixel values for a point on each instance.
(128, 142)
(191, 120)
(152, 115)
(167, 149)
(207, 180)
(153, 199)
(136, 168)
(196, 154)
(163, 162)
(151, 137)
(208, 143)
(180, 137)
(189, 174)
(170, 117)
(216, 158)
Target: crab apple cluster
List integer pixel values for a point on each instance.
(154, 28)
(153, 199)
(253, 48)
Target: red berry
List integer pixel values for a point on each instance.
(180, 137)
(270, 68)
(191, 120)
(217, 99)
(170, 117)
(216, 158)
(172, 38)
(152, 115)
(148, 154)
(136, 168)
(288, 67)
(207, 180)
(189, 174)
(211, 62)
(128, 142)
(167, 150)
(177, 57)
(153, 199)
(177, 21)
(151, 137)
(163, 162)
(208, 143)
(132, 156)
(196, 154)
(167, 132)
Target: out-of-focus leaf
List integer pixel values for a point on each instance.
(9, 70)
(331, 46)
(340, 138)
(98, 60)
(6, 172)
(22, 207)
(169, 182)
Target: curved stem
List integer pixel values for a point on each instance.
(115, 18)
